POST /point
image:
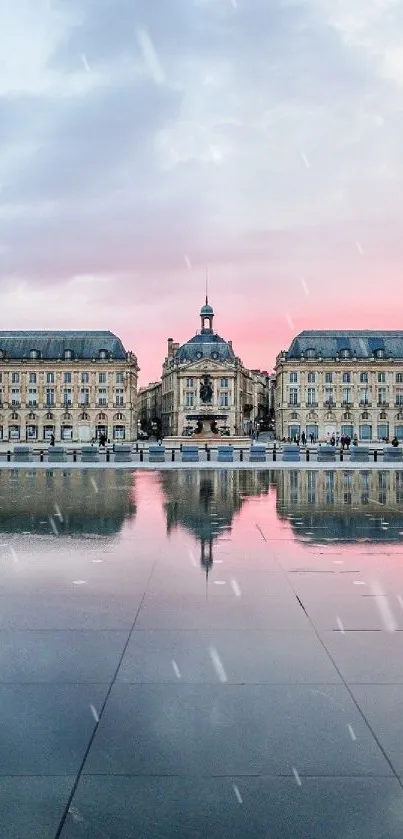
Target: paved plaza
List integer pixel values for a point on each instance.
(192, 653)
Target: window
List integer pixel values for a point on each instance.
(15, 396)
(189, 382)
(345, 353)
(311, 396)
(382, 395)
(189, 399)
(15, 378)
(311, 378)
(67, 378)
(223, 399)
(103, 354)
(380, 353)
(34, 354)
(119, 396)
(364, 396)
(346, 378)
(32, 378)
(102, 401)
(365, 432)
(224, 382)
(399, 378)
(383, 431)
(310, 353)
(119, 378)
(85, 377)
(399, 396)
(328, 378)
(50, 378)
(346, 397)
(84, 396)
(363, 377)
(293, 377)
(102, 378)
(50, 396)
(293, 396)
(329, 397)
(381, 377)
(32, 397)
(67, 396)
(68, 355)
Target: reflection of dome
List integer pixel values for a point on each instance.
(206, 345)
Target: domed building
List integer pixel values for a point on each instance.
(206, 390)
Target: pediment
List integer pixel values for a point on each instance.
(204, 366)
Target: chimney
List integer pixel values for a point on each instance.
(170, 347)
(175, 348)
(230, 344)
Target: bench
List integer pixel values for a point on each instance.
(359, 454)
(22, 454)
(392, 454)
(156, 454)
(257, 454)
(327, 454)
(291, 453)
(225, 454)
(123, 453)
(89, 454)
(190, 454)
(57, 454)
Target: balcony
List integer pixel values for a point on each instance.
(365, 404)
(329, 403)
(294, 404)
(15, 404)
(311, 404)
(119, 405)
(399, 404)
(381, 404)
(347, 403)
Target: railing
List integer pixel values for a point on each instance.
(329, 403)
(365, 404)
(311, 404)
(380, 404)
(347, 403)
(294, 404)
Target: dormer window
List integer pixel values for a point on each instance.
(310, 353)
(68, 355)
(33, 354)
(380, 353)
(345, 353)
(103, 354)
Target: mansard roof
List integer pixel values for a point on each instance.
(52, 345)
(360, 344)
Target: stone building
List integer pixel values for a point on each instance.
(340, 382)
(205, 375)
(74, 385)
(149, 408)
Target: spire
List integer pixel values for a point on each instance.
(206, 285)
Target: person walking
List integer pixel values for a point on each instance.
(303, 438)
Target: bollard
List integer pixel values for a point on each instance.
(241, 455)
(141, 455)
(74, 456)
(173, 455)
(8, 456)
(307, 455)
(206, 446)
(274, 453)
(341, 455)
(137, 447)
(208, 452)
(180, 447)
(41, 456)
(375, 455)
(108, 455)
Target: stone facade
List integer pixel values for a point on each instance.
(74, 385)
(239, 397)
(341, 383)
(149, 408)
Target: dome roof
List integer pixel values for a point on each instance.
(206, 345)
(206, 309)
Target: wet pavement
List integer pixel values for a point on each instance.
(201, 654)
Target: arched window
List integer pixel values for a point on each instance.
(33, 354)
(103, 354)
(345, 353)
(68, 355)
(379, 353)
(310, 353)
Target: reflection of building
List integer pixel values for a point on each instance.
(341, 505)
(204, 503)
(204, 376)
(77, 506)
(74, 385)
(341, 383)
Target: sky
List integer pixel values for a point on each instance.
(143, 140)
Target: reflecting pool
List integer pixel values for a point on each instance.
(201, 654)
